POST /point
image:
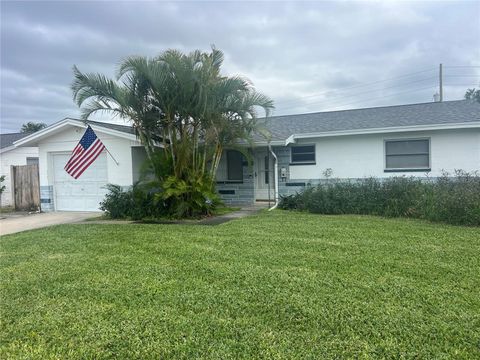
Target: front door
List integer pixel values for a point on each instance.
(264, 181)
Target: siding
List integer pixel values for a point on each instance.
(362, 156)
(64, 142)
(17, 156)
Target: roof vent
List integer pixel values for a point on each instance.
(436, 97)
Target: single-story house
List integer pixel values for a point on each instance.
(11, 155)
(61, 192)
(419, 139)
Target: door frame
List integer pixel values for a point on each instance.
(261, 194)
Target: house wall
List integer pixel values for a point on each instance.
(64, 142)
(17, 156)
(360, 156)
(235, 193)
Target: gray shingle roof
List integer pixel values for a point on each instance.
(6, 140)
(448, 112)
(123, 128)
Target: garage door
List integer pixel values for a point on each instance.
(84, 193)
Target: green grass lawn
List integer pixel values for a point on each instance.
(274, 285)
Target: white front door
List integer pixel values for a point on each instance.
(84, 193)
(264, 182)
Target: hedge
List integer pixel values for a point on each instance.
(450, 199)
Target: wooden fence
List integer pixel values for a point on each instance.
(26, 187)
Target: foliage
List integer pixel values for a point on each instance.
(453, 200)
(31, 127)
(135, 203)
(182, 102)
(192, 197)
(277, 285)
(2, 187)
(473, 94)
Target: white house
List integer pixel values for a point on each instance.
(421, 140)
(11, 155)
(414, 140)
(58, 190)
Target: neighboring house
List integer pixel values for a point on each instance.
(11, 155)
(420, 140)
(58, 190)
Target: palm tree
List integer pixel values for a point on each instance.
(181, 101)
(176, 98)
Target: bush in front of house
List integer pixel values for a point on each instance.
(454, 200)
(136, 203)
(150, 200)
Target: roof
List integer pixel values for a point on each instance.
(123, 128)
(426, 114)
(123, 131)
(6, 140)
(285, 129)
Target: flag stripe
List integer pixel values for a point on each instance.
(81, 156)
(84, 157)
(93, 156)
(75, 153)
(84, 154)
(96, 155)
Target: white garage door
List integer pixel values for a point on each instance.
(84, 193)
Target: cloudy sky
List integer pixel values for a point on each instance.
(307, 56)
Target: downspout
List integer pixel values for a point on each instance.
(275, 177)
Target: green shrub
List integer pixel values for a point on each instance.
(454, 200)
(193, 197)
(136, 203)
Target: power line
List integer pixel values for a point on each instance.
(359, 93)
(363, 85)
(463, 66)
(376, 98)
(462, 75)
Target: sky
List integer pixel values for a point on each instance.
(307, 56)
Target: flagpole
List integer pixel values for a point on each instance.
(116, 162)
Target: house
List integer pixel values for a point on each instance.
(419, 140)
(11, 155)
(303, 150)
(61, 192)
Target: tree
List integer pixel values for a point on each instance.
(31, 127)
(473, 94)
(184, 103)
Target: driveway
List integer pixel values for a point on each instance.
(13, 223)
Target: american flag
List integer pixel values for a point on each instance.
(84, 154)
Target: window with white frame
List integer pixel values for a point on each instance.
(407, 154)
(303, 154)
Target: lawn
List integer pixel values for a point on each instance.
(274, 285)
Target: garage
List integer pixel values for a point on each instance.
(119, 164)
(84, 193)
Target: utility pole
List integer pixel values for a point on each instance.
(441, 82)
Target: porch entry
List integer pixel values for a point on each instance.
(264, 177)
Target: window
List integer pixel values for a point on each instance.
(413, 154)
(234, 165)
(304, 154)
(32, 160)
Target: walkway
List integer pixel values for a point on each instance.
(16, 222)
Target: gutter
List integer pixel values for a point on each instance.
(275, 176)
(394, 129)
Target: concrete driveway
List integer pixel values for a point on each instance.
(13, 223)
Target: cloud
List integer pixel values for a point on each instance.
(306, 56)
